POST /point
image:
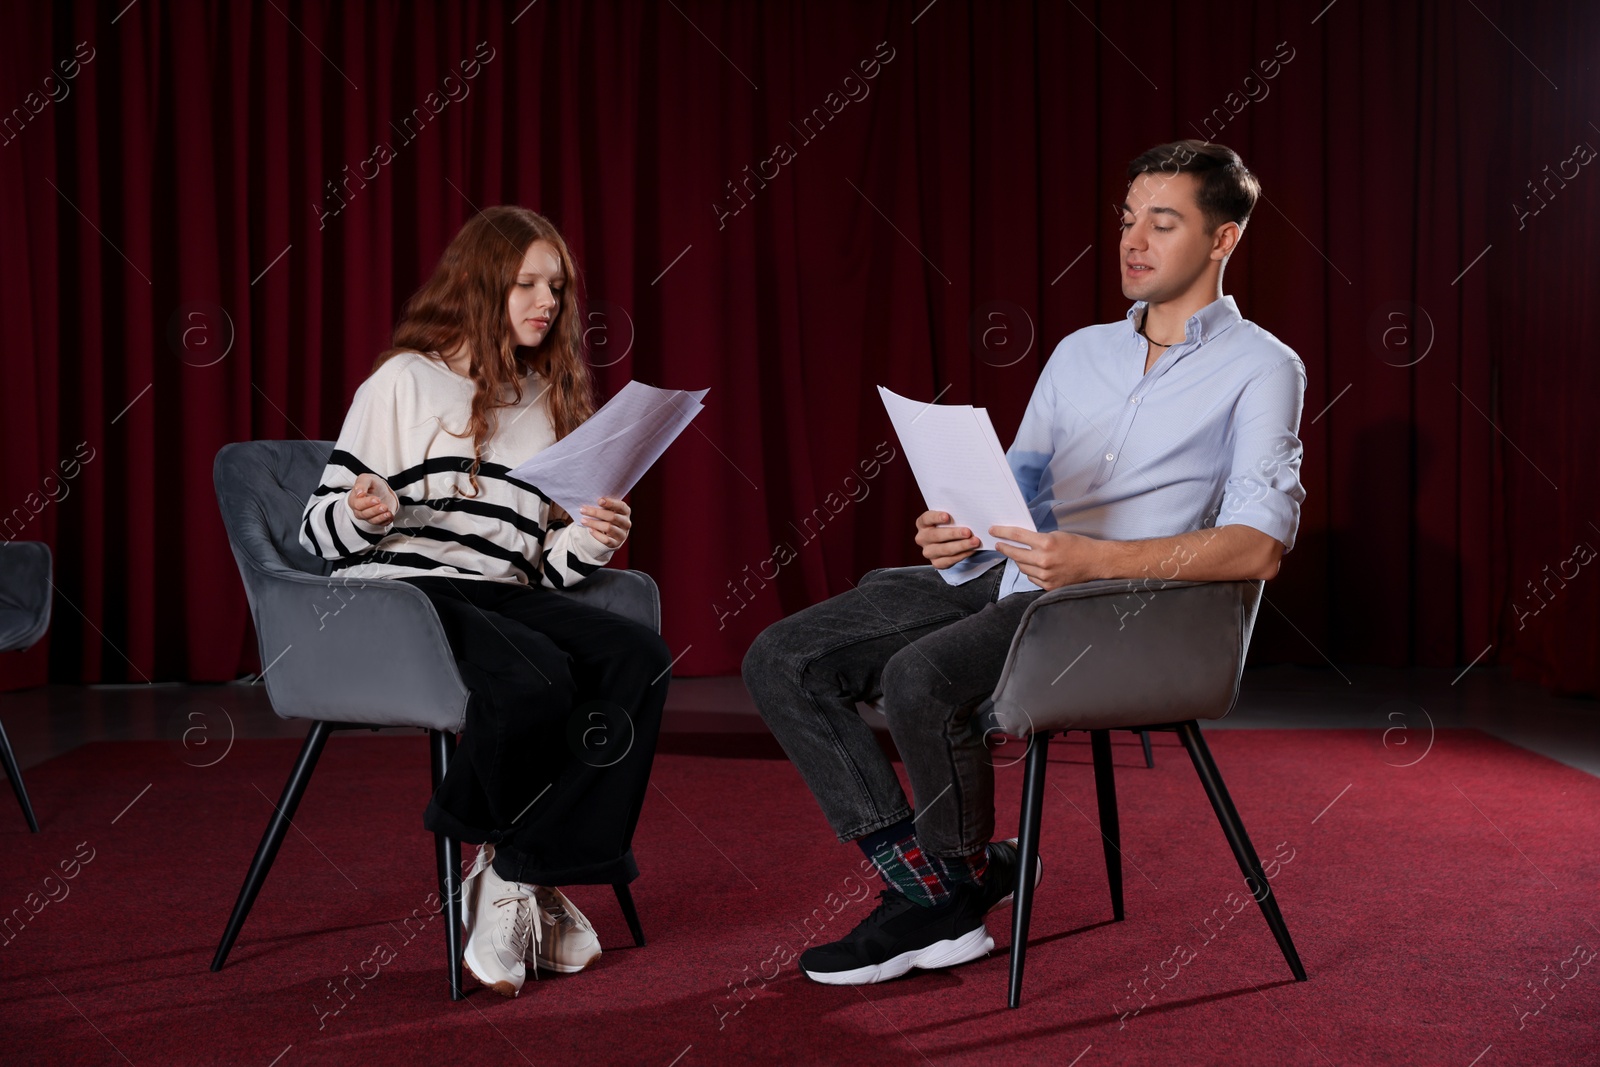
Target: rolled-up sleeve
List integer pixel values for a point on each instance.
(1263, 490)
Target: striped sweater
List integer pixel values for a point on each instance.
(396, 430)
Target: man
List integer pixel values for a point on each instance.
(1163, 445)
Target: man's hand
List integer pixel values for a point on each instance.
(372, 501)
(609, 522)
(1221, 554)
(944, 546)
(1053, 559)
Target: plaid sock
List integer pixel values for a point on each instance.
(905, 866)
(970, 869)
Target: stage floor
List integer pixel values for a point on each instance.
(1401, 707)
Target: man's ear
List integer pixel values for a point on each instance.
(1225, 240)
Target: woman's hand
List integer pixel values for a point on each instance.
(372, 501)
(944, 546)
(608, 522)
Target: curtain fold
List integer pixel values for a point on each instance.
(209, 228)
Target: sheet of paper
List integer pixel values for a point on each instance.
(611, 450)
(959, 464)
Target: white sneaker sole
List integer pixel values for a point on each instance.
(968, 946)
(505, 987)
(567, 968)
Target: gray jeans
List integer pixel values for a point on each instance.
(933, 652)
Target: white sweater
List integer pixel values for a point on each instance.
(396, 430)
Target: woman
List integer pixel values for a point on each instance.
(486, 369)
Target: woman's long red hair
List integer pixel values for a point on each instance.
(466, 299)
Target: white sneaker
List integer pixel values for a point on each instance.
(568, 942)
(500, 929)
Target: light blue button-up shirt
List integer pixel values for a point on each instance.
(1207, 438)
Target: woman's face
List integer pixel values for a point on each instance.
(535, 299)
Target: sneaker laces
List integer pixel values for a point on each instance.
(517, 925)
(562, 911)
(888, 900)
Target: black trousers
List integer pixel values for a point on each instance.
(560, 731)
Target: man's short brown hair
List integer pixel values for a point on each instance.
(1228, 190)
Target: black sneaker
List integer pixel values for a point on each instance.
(900, 935)
(1001, 880)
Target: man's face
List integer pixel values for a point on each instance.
(1165, 246)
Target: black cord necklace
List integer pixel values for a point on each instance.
(1158, 344)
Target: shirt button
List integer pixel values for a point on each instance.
(1133, 400)
(1110, 456)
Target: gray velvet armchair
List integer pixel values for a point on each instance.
(313, 630)
(1126, 654)
(24, 618)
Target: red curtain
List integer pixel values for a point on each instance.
(212, 214)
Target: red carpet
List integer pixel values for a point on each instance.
(1428, 903)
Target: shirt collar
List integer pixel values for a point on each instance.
(1209, 322)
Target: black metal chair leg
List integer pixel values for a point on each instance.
(448, 849)
(14, 773)
(439, 761)
(625, 902)
(1105, 790)
(267, 851)
(1149, 756)
(1028, 858)
(1243, 850)
(447, 858)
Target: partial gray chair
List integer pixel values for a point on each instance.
(1117, 655)
(313, 629)
(24, 618)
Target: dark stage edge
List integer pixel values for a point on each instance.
(1402, 707)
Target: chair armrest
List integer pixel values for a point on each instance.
(1126, 653)
(373, 650)
(631, 594)
(351, 650)
(24, 593)
(1136, 590)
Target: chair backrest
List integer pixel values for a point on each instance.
(331, 625)
(262, 488)
(1126, 654)
(24, 594)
